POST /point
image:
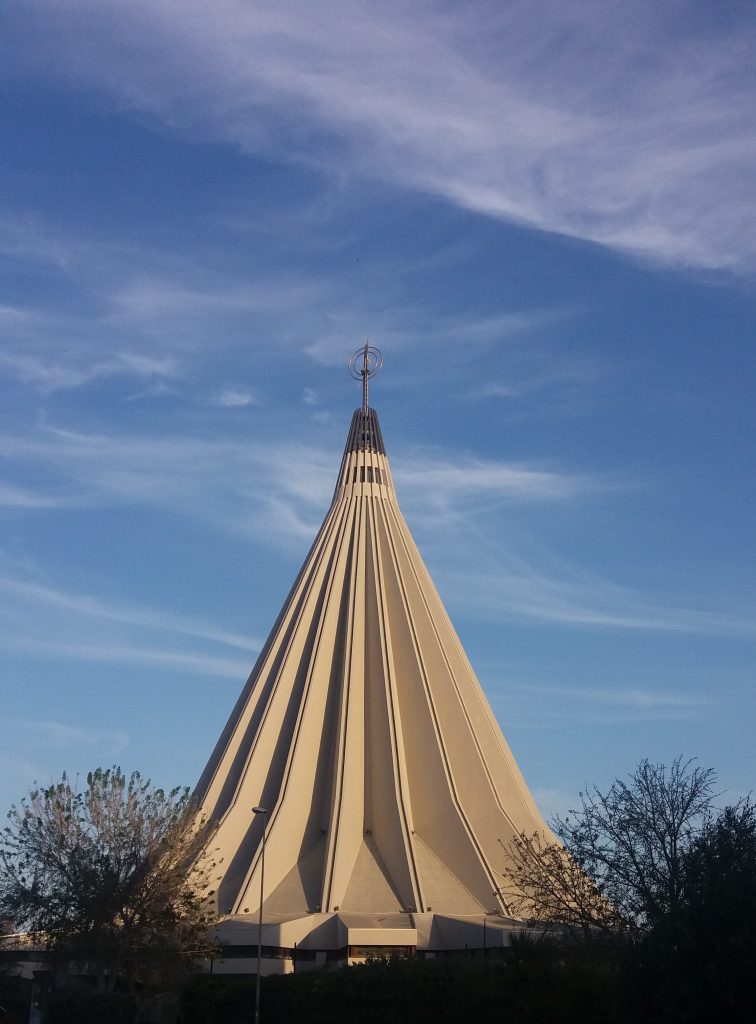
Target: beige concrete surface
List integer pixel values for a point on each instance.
(365, 732)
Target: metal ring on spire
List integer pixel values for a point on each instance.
(372, 361)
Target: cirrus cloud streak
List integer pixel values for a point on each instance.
(623, 125)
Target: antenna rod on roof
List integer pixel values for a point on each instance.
(372, 361)
(365, 378)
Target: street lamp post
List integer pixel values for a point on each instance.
(263, 811)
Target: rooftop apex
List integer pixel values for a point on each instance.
(365, 433)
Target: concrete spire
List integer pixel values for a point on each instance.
(365, 732)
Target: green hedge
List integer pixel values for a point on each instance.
(72, 1006)
(384, 992)
(15, 993)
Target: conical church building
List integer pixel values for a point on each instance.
(364, 749)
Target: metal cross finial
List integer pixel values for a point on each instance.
(372, 361)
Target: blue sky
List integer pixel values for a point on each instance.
(544, 214)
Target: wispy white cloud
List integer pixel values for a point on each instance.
(21, 497)
(50, 732)
(143, 313)
(279, 492)
(47, 377)
(44, 620)
(253, 489)
(29, 239)
(532, 373)
(627, 126)
(510, 587)
(127, 654)
(18, 768)
(408, 327)
(447, 482)
(504, 325)
(552, 802)
(232, 398)
(142, 365)
(493, 390)
(258, 488)
(620, 696)
(165, 320)
(532, 706)
(181, 298)
(152, 619)
(158, 390)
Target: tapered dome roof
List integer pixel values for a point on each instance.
(365, 733)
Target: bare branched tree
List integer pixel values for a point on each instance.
(622, 859)
(104, 876)
(547, 885)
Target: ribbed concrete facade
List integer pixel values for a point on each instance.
(365, 732)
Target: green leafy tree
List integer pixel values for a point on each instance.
(111, 877)
(700, 964)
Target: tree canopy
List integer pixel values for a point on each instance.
(109, 875)
(700, 962)
(620, 863)
(652, 866)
